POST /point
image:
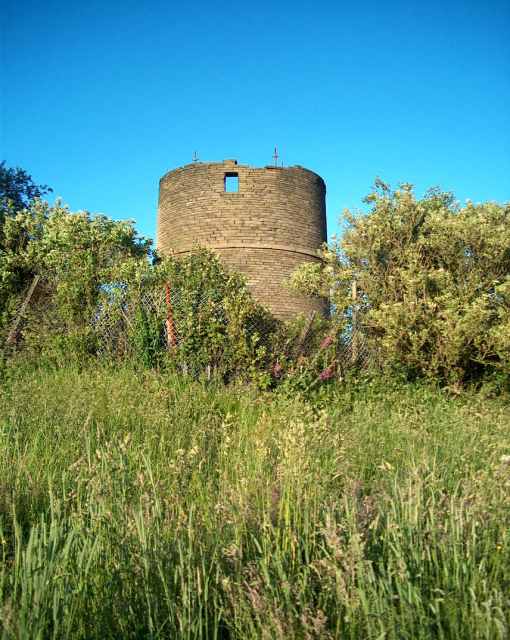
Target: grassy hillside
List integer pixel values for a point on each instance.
(139, 505)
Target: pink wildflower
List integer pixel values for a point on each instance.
(327, 373)
(328, 340)
(277, 370)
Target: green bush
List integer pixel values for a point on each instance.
(219, 327)
(98, 290)
(433, 283)
(73, 254)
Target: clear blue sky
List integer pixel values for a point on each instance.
(99, 99)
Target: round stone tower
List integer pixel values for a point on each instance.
(263, 222)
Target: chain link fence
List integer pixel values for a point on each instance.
(156, 320)
(33, 309)
(285, 345)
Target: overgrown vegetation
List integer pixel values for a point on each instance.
(432, 293)
(74, 254)
(95, 276)
(433, 283)
(175, 463)
(136, 505)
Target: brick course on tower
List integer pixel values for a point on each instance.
(275, 221)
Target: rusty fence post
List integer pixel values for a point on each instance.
(171, 338)
(354, 329)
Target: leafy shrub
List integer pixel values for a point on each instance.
(219, 327)
(73, 253)
(433, 282)
(99, 290)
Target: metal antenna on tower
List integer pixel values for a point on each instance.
(195, 156)
(275, 156)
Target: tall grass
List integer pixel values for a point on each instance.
(140, 505)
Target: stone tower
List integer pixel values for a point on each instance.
(263, 222)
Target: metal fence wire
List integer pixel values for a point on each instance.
(33, 309)
(173, 319)
(158, 319)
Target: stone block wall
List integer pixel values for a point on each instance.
(274, 222)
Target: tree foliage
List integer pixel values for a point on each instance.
(96, 277)
(18, 190)
(73, 253)
(433, 282)
(219, 326)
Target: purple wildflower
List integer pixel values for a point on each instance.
(277, 370)
(327, 373)
(328, 340)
